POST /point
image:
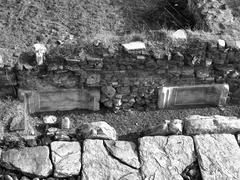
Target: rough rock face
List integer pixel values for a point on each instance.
(165, 157)
(66, 157)
(34, 160)
(211, 124)
(218, 156)
(99, 164)
(97, 130)
(124, 151)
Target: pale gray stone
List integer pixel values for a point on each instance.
(218, 156)
(66, 157)
(108, 91)
(211, 124)
(99, 164)
(49, 119)
(97, 130)
(124, 151)
(165, 157)
(34, 160)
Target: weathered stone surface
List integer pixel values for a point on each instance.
(193, 95)
(109, 91)
(124, 151)
(97, 130)
(49, 119)
(211, 124)
(134, 46)
(66, 157)
(180, 34)
(34, 160)
(165, 157)
(98, 164)
(218, 156)
(166, 128)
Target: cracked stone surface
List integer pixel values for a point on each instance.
(218, 156)
(99, 164)
(34, 160)
(124, 151)
(211, 124)
(66, 157)
(165, 157)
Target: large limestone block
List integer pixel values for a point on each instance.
(218, 156)
(66, 157)
(211, 124)
(165, 157)
(34, 160)
(98, 163)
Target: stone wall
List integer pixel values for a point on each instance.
(178, 149)
(131, 79)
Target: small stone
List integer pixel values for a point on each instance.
(50, 119)
(160, 130)
(238, 44)
(96, 130)
(17, 124)
(30, 140)
(8, 177)
(40, 51)
(141, 57)
(1, 61)
(221, 43)
(180, 34)
(66, 123)
(134, 46)
(175, 127)
(61, 136)
(36, 178)
(117, 102)
(24, 178)
(52, 131)
(93, 79)
(108, 104)
(109, 91)
(119, 96)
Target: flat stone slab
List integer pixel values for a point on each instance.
(34, 160)
(211, 124)
(165, 157)
(66, 157)
(193, 95)
(99, 163)
(218, 156)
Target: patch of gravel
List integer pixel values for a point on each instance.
(131, 124)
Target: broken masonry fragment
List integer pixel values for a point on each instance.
(40, 51)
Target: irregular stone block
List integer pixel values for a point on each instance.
(193, 95)
(166, 128)
(165, 157)
(211, 124)
(97, 130)
(34, 160)
(99, 164)
(218, 156)
(134, 46)
(61, 99)
(66, 157)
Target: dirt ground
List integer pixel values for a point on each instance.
(132, 124)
